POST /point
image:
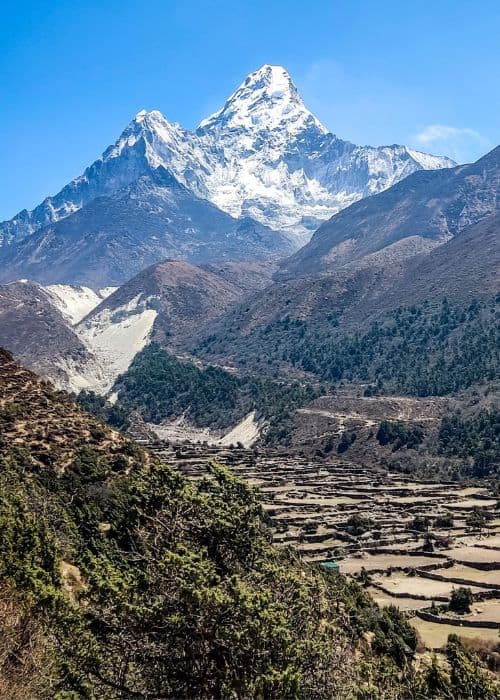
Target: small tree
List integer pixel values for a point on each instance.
(444, 521)
(476, 519)
(359, 524)
(346, 441)
(364, 577)
(420, 523)
(461, 600)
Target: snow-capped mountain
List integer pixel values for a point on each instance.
(274, 161)
(263, 155)
(113, 237)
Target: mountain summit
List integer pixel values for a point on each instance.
(266, 100)
(262, 156)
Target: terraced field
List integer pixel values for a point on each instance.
(380, 527)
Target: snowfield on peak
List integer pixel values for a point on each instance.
(266, 100)
(263, 155)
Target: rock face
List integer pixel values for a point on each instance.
(83, 339)
(168, 303)
(413, 216)
(76, 302)
(263, 157)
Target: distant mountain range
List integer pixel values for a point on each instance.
(433, 235)
(140, 249)
(251, 183)
(414, 216)
(85, 339)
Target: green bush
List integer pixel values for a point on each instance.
(461, 600)
(399, 435)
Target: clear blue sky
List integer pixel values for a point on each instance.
(73, 73)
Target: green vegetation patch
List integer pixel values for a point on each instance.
(160, 387)
(423, 350)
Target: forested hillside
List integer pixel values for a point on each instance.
(474, 438)
(418, 350)
(160, 387)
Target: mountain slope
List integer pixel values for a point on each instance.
(325, 305)
(76, 302)
(122, 579)
(466, 267)
(169, 303)
(83, 339)
(33, 328)
(114, 237)
(413, 216)
(185, 298)
(263, 155)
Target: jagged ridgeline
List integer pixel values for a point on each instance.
(120, 579)
(251, 183)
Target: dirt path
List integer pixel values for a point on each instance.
(341, 417)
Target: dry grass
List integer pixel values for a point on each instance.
(25, 666)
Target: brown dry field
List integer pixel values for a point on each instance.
(416, 585)
(468, 573)
(474, 554)
(353, 565)
(435, 635)
(403, 604)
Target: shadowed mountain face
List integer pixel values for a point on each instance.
(410, 218)
(114, 237)
(38, 334)
(466, 267)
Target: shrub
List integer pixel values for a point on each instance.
(420, 523)
(399, 435)
(461, 600)
(444, 521)
(359, 524)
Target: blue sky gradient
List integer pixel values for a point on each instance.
(73, 74)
